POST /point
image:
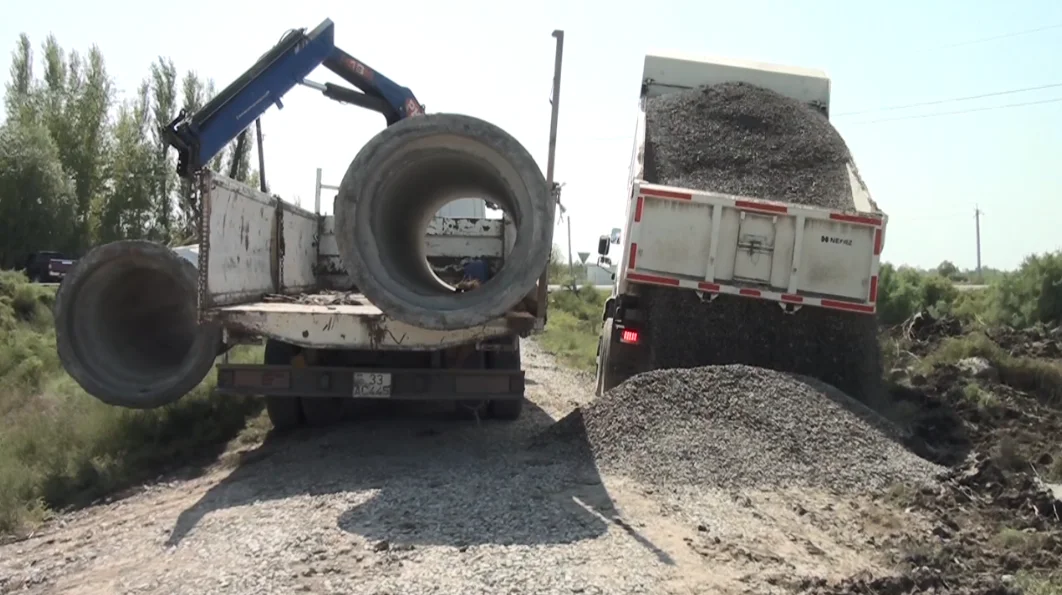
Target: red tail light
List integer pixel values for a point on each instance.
(629, 335)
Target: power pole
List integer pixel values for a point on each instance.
(977, 225)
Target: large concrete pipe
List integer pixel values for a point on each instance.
(394, 187)
(126, 325)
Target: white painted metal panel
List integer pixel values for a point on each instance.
(669, 72)
(240, 235)
(346, 327)
(754, 249)
(836, 259)
(681, 234)
(300, 249)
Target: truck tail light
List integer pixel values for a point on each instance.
(629, 336)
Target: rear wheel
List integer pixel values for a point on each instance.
(505, 409)
(608, 377)
(284, 412)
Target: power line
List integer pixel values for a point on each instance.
(1002, 36)
(951, 100)
(965, 111)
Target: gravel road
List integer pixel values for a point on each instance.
(427, 504)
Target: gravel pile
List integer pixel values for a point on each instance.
(742, 427)
(741, 139)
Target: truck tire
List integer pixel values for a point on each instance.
(394, 187)
(607, 376)
(505, 409)
(284, 412)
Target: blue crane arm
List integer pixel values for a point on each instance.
(198, 137)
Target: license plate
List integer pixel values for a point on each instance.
(371, 385)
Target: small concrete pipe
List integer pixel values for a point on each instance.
(396, 184)
(126, 325)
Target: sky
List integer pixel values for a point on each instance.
(928, 171)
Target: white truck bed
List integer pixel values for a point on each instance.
(250, 255)
(721, 244)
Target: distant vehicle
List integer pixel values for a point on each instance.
(47, 267)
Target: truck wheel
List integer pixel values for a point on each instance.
(505, 409)
(284, 412)
(607, 377)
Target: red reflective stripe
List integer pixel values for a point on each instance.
(873, 289)
(638, 209)
(759, 206)
(796, 299)
(750, 292)
(667, 194)
(651, 279)
(855, 219)
(877, 241)
(847, 306)
(707, 286)
(633, 256)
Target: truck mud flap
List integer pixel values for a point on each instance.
(369, 383)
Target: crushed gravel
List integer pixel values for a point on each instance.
(740, 139)
(746, 140)
(740, 427)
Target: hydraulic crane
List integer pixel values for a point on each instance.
(200, 136)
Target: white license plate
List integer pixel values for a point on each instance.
(371, 385)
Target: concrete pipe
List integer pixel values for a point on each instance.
(126, 325)
(397, 183)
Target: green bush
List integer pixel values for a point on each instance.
(574, 325)
(60, 447)
(904, 291)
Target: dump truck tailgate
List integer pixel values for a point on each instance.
(717, 243)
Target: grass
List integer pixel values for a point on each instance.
(1040, 377)
(574, 325)
(1040, 584)
(61, 448)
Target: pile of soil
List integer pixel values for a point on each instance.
(996, 517)
(737, 426)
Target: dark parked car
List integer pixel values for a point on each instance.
(47, 267)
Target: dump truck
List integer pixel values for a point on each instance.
(383, 300)
(810, 262)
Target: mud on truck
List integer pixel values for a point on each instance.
(709, 276)
(383, 300)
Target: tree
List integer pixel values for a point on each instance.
(163, 109)
(36, 195)
(948, 270)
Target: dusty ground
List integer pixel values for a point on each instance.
(426, 504)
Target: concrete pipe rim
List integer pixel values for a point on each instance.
(82, 345)
(398, 181)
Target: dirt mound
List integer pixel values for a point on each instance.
(746, 140)
(1038, 341)
(737, 426)
(996, 520)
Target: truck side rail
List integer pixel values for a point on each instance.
(717, 244)
(251, 244)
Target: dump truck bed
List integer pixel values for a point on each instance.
(269, 268)
(715, 243)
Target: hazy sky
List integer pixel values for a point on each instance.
(494, 60)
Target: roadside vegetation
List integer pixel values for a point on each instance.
(60, 448)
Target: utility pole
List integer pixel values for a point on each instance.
(977, 225)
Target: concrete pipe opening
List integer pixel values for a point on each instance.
(393, 189)
(126, 325)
